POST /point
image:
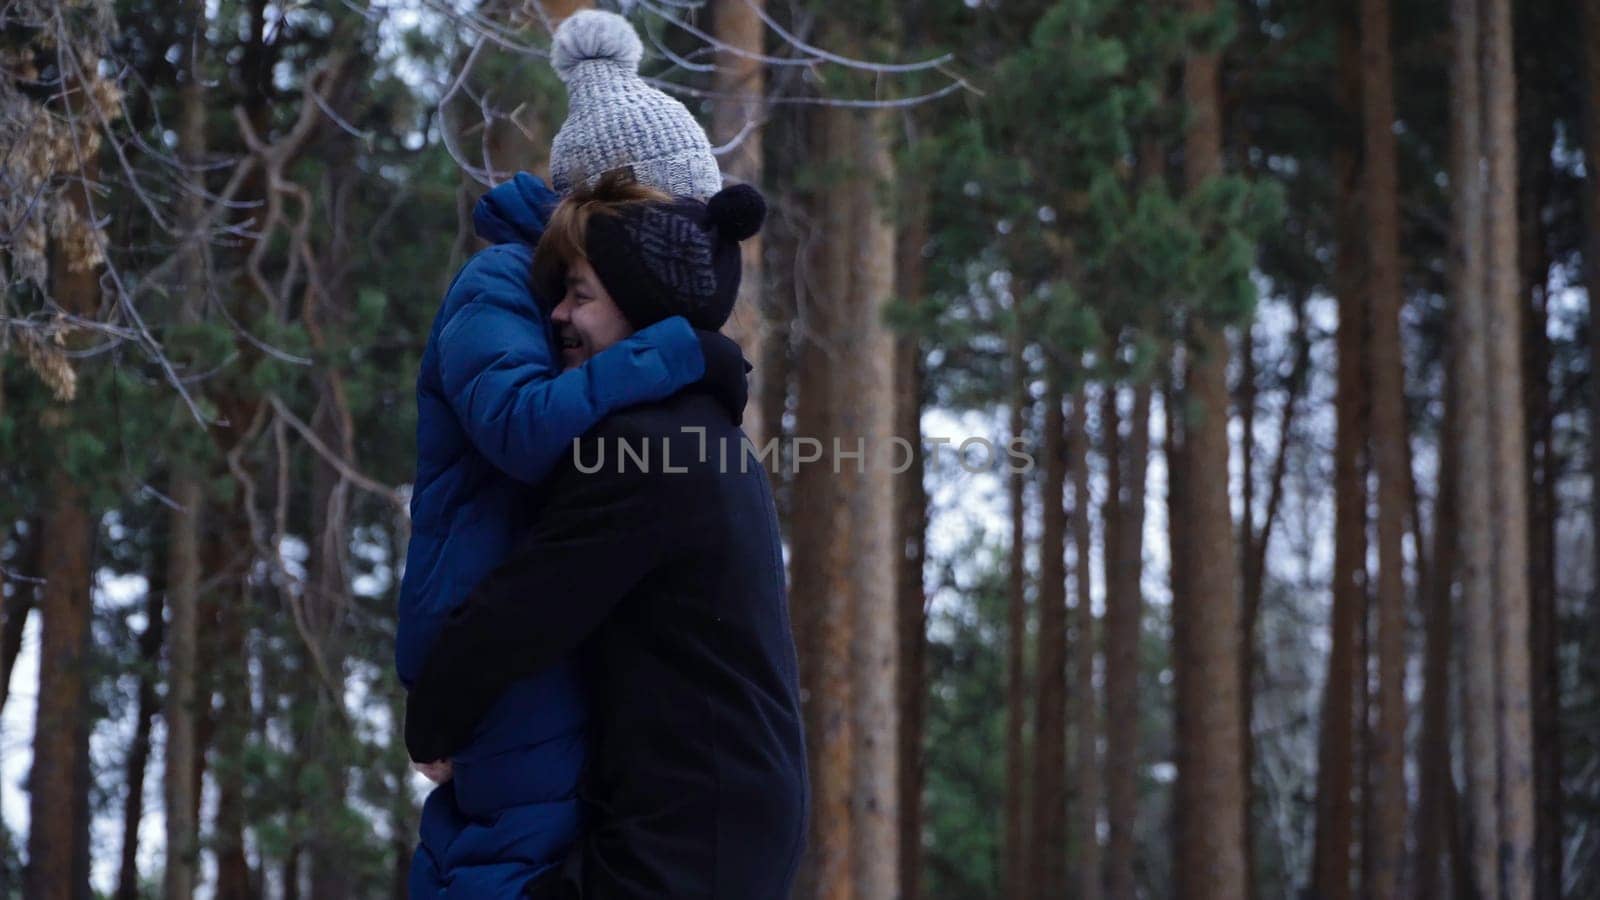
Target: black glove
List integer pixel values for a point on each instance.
(438, 726)
(726, 372)
(424, 737)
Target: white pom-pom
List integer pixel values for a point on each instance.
(594, 35)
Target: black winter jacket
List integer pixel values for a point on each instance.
(667, 576)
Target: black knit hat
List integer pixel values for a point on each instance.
(675, 258)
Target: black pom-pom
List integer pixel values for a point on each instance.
(738, 211)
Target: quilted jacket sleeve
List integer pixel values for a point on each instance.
(595, 538)
(504, 381)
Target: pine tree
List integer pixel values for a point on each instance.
(186, 519)
(911, 502)
(741, 82)
(1015, 873)
(1336, 752)
(1389, 435)
(1048, 847)
(867, 400)
(1508, 484)
(1086, 768)
(1211, 855)
(58, 783)
(1590, 29)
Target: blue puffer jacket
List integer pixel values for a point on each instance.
(495, 413)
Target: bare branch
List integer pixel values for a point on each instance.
(816, 54)
(370, 485)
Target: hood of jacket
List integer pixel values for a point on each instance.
(516, 211)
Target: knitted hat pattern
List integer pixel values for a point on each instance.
(676, 258)
(616, 120)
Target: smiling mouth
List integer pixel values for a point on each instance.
(570, 342)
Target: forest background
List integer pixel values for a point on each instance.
(1289, 300)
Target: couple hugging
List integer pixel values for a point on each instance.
(600, 670)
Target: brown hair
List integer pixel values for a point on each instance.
(567, 231)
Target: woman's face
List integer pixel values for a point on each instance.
(587, 320)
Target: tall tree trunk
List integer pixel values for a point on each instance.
(139, 751)
(1252, 584)
(1434, 746)
(1048, 848)
(1589, 15)
(866, 399)
(184, 522)
(234, 879)
(58, 835)
(1474, 548)
(1544, 511)
(1086, 768)
(182, 756)
(1590, 20)
(911, 501)
(1380, 191)
(1336, 746)
(1181, 584)
(1507, 454)
(1123, 559)
(1367, 742)
(57, 832)
(820, 589)
(788, 145)
(1014, 872)
(740, 82)
(1210, 780)
(1537, 137)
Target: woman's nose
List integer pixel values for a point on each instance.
(563, 311)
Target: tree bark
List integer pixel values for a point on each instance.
(1086, 769)
(1590, 22)
(1474, 546)
(1252, 584)
(740, 82)
(234, 880)
(867, 399)
(1014, 872)
(1181, 583)
(1432, 822)
(1210, 773)
(911, 501)
(820, 588)
(1048, 848)
(182, 755)
(1507, 454)
(1122, 557)
(1537, 137)
(1336, 746)
(1380, 191)
(58, 833)
(139, 751)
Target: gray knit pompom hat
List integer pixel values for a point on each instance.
(614, 119)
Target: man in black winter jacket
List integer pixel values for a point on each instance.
(655, 555)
